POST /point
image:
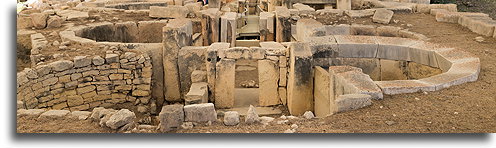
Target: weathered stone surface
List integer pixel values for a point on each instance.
(359, 13)
(266, 120)
(149, 31)
(72, 15)
(229, 25)
(81, 61)
(300, 82)
(80, 115)
(382, 16)
(97, 60)
(251, 115)
(268, 75)
(341, 29)
(30, 112)
(54, 114)
(198, 93)
(321, 91)
(200, 112)
(343, 4)
(224, 86)
(120, 118)
(304, 9)
(171, 117)
(231, 118)
(352, 101)
(308, 115)
(198, 76)
(39, 20)
(61, 65)
(357, 46)
(171, 11)
(112, 58)
(283, 24)
(24, 22)
(308, 28)
(54, 22)
(358, 29)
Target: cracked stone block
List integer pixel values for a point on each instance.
(198, 93)
(200, 112)
(382, 16)
(171, 117)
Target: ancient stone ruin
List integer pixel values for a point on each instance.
(184, 62)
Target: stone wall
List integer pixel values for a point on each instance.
(86, 82)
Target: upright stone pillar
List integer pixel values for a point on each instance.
(211, 62)
(300, 82)
(224, 83)
(343, 4)
(268, 78)
(266, 25)
(283, 24)
(176, 35)
(214, 4)
(228, 28)
(210, 25)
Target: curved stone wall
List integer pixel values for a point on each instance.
(458, 66)
(86, 82)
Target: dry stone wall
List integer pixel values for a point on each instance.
(87, 81)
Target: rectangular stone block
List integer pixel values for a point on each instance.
(283, 95)
(300, 81)
(171, 117)
(357, 46)
(268, 78)
(308, 28)
(283, 72)
(283, 24)
(357, 29)
(170, 11)
(321, 93)
(200, 113)
(382, 16)
(198, 93)
(190, 59)
(341, 29)
(343, 4)
(224, 83)
(352, 102)
(228, 32)
(149, 31)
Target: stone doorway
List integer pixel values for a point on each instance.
(246, 91)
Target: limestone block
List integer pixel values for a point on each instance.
(300, 81)
(357, 29)
(24, 22)
(97, 60)
(224, 83)
(483, 27)
(176, 35)
(403, 86)
(112, 58)
(72, 15)
(81, 61)
(80, 115)
(343, 4)
(170, 11)
(283, 24)
(436, 11)
(39, 20)
(228, 25)
(341, 29)
(352, 82)
(357, 46)
(283, 76)
(190, 59)
(120, 118)
(198, 76)
(423, 54)
(54, 114)
(215, 4)
(382, 16)
(171, 117)
(148, 31)
(210, 23)
(268, 75)
(30, 112)
(253, 53)
(369, 66)
(198, 93)
(352, 102)
(323, 47)
(394, 48)
(54, 22)
(388, 31)
(304, 9)
(308, 28)
(61, 65)
(324, 104)
(231, 118)
(211, 61)
(283, 95)
(336, 12)
(359, 13)
(200, 113)
(126, 32)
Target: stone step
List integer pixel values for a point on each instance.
(262, 111)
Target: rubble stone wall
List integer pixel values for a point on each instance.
(87, 82)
